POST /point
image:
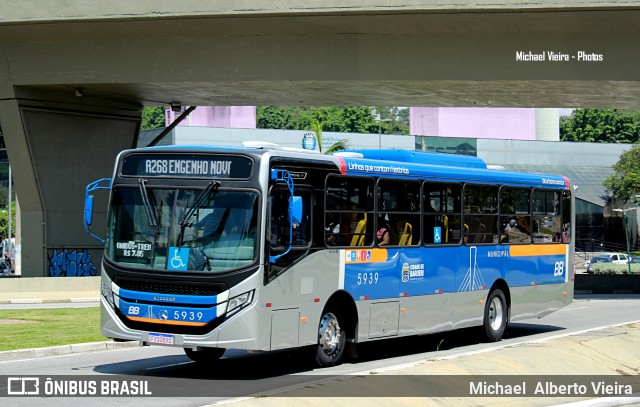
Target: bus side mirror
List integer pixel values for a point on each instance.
(103, 183)
(295, 209)
(88, 210)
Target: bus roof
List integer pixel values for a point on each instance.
(397, 164)
(419, 157)
(448, 173)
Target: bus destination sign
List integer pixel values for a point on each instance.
(187, 166)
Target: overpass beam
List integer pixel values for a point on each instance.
(56, 146)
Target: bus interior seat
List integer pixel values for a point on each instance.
(359, 233)
(481, 234)
(407, 235)
(345, 220)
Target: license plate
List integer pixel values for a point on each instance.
(162, 339)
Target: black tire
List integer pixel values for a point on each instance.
(332, 338)
(204, 355)
(495, 315)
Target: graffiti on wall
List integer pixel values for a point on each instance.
(74, 263)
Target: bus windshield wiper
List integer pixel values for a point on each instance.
(199, 201)
(149, 205)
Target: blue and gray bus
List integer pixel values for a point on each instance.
(266, 248)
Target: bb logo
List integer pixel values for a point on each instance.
(558, 269)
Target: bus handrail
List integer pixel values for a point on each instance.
(295, 208)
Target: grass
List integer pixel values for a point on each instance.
(37, 328)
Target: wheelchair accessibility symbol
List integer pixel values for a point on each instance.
(178, 258)
(437, 234)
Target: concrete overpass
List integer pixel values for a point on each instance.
(74, 75)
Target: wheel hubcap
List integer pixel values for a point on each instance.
(329, 333)
(495, 314)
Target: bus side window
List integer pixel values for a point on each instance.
(442, 213)
(547, 221)
(398, 212)
(566, 217)
(481, 213)
(515, 215)
(349, 211)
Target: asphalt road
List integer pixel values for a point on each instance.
(242, 373)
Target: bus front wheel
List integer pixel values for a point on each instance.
(331, 339)
(204, 355)
(495, 315)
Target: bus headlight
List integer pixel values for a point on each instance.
(239, 302)
(107, 293)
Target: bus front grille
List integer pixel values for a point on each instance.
(172, 288)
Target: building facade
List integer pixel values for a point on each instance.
(486, 123)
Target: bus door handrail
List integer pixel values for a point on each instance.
(294, 211)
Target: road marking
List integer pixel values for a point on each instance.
(170, 365)
(491, 349)
(603, 402)
(26, 301)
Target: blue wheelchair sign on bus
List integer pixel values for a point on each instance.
(437, 234)
(178, 258)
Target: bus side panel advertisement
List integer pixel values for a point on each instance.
(372, 274)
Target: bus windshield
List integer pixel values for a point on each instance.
(210, 231)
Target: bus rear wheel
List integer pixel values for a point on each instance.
(204, 355)
(495, 315)
(331, 339)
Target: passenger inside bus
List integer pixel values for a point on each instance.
(383, 235)
(504, 236)
(333, 229)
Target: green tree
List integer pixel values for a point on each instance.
(624, 184)
(344, 119)
(152, 117)
(277, 117)
(395, 120)
(341, 119)
(339, 145)
(4, 223)
(4, 202)
(601, 126)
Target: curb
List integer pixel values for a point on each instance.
(49, 301)
(35, 353)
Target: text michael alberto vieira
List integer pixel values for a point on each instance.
(549, 388)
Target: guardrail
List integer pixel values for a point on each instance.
(595, 245)
(49, 289)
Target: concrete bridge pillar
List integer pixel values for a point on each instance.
(57, 143)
